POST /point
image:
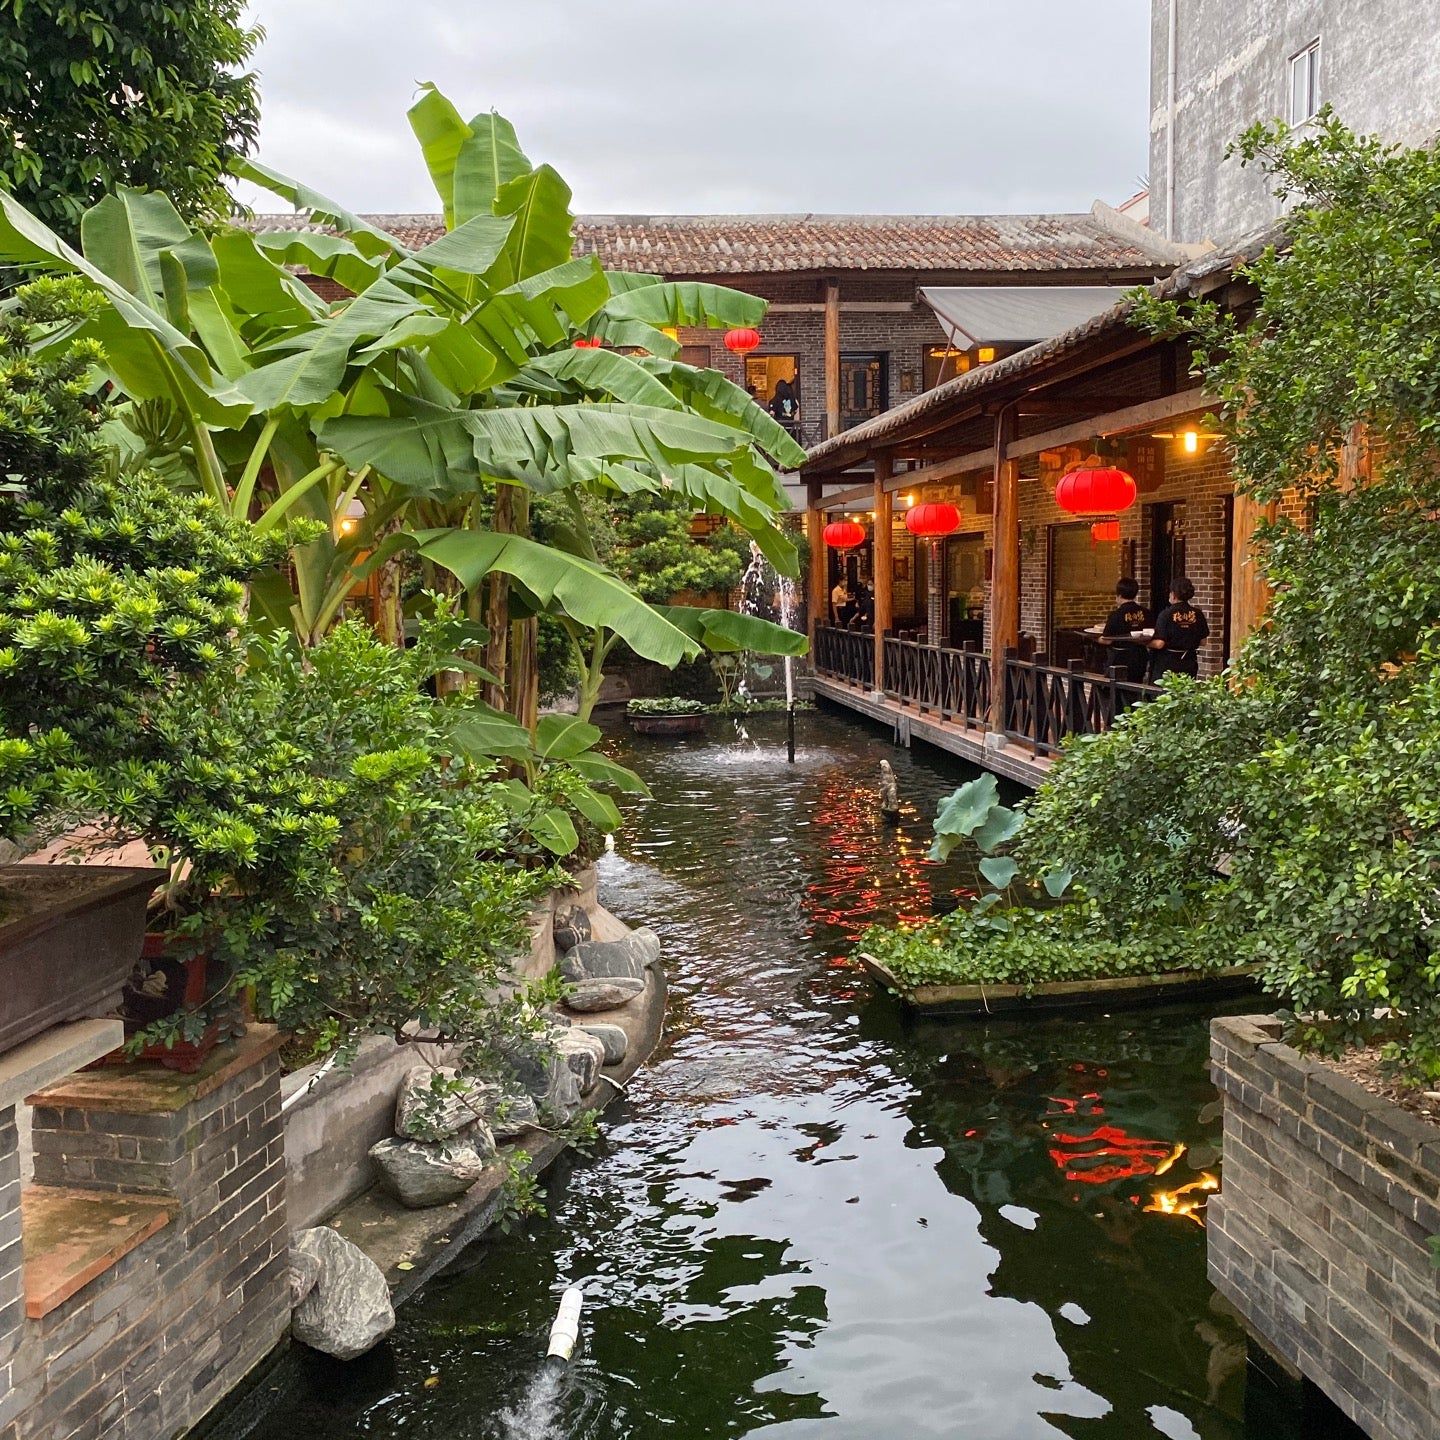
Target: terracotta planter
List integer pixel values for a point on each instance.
(189, 985)
(671, 725)
(69, 938)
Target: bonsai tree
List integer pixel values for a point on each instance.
(112, 590)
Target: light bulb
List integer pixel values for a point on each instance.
(1191, 441)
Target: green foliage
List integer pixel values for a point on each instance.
(146, 93)
(111, 590)
(327, 846)
(974, 813)
(667, 705)
(655, 551)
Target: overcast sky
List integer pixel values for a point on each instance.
(921, 106)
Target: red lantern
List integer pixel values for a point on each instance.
(583, 344)
(741, 342)
(932, 521)
(844, 535)
(1101, 491)
(1103, 530)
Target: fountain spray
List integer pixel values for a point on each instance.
(752, 598)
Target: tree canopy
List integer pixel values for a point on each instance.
(149, 93)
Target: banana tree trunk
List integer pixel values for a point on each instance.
(497, 610)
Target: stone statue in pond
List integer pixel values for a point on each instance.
(889, 794)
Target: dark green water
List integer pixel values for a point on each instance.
(809, 1217)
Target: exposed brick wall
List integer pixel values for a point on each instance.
(1318, 1236)
(147, 1348)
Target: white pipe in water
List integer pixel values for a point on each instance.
(565, 1331)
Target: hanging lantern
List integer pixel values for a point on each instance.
(741, 342)
(932, 521)
(583, 344)
(1105, 530)
(1103, 490)
(844, 535)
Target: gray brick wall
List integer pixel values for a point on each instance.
(1318, 1236)
(147, 1348)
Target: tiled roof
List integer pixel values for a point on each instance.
(767, 244)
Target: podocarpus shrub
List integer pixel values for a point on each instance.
(112, 588)
(338, 857)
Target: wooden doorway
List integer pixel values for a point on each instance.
(1167, 550)
(864, 386)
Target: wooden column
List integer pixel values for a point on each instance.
(1005, 577)
(884, 564)
(832, 358)
(817, 603)
(1249, 591)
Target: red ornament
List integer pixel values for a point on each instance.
(1100, 491)
(1103, 530)
(741, 342)
(844, 535)
(932, 521)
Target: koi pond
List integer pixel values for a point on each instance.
(810, 1216)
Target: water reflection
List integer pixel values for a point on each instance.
(809, 1217)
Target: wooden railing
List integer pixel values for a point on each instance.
(846, 655)
(1045, 703)
(954, 684)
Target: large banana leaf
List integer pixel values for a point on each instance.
(710, 393)
(603, 375)
(321, 253)
(540, 239)
(490, 158)
(470, 249)
(441, 132)
(437, 450)
(728, 631)
(685, 302)
(369, 239)
(311, 365)
(256, 286)
(145, 353)
(587, 593)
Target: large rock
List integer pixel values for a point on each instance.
(588, 996)
(424, 1113)
(545, 1075)
(625, 959)
(347, 1309)
(514, 1113)
(583, 1053)
(420, 1173)
(613, 1039)
(572, 925)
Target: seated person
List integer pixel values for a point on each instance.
(1127, 616)
(865, 608)
(1180, 631)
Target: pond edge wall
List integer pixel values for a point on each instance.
(1319, 1235)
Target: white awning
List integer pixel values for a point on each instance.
(1015, 314)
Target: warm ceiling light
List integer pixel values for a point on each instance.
(986, 354)
(909, 501)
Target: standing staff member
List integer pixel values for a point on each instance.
(1179, 633)
(1127, 617)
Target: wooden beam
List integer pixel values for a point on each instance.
(848, 497)
(832, 358)
(1005, 568)
(818, 600)
(854, 307)
(943, 470)
(884, 564)
(1111, 422)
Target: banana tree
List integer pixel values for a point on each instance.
(438, 398)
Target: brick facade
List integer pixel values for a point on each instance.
(150, 1344)
(1319, 1235)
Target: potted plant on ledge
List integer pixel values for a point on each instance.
(671, 716)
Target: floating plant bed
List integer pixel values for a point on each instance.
(668, 724)
(1126, 991)
(69, 937)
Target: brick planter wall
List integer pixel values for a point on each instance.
(1319, 1234)
(154, 1243)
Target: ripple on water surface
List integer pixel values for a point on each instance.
(808, 1217)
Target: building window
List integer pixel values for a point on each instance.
(1305, 83)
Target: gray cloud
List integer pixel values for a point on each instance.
(827, 105)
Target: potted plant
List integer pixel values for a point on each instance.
(113, 591)
(669, 716)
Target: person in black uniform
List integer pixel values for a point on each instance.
(1118, 635)
(1180, 631)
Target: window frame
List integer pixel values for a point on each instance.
(1305, 60)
